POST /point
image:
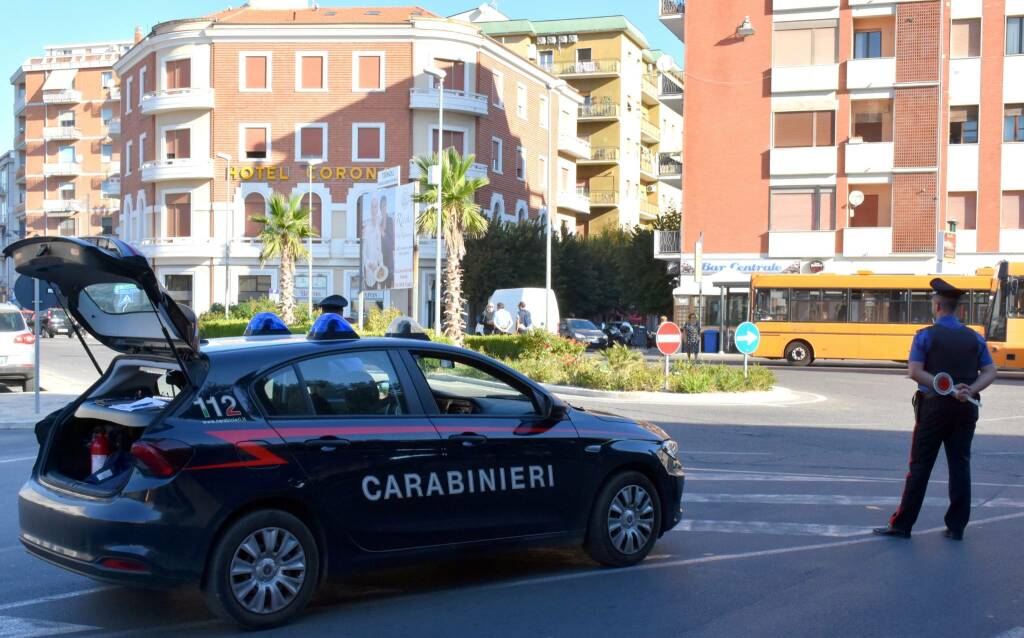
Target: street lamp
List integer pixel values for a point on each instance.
(310, 163)
(436, 178)
(230, 228)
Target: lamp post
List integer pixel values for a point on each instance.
(309, 240)
(229, 229)
(436, 178)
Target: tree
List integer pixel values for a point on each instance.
(460, 219)
(285, 227)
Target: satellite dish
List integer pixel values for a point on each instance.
(665, 63)
(856, 198)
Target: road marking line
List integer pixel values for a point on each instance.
(18, 459)
(1016, 632)
(53, 597)
(834, 499)
(772, 528)
(718, 474)
(162, 629)
(688, 452)
(11, 627)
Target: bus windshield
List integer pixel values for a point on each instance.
(1008, 304)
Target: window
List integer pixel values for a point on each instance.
(142, 150)
(1015, 35)
(107, 79)
(253, 287)
(965, 38)
(106, 115)
(106, 225)
(805, 128)
(106, 153)
(805, 43)
(321, 281)
(462, 387)
(178, 214)
(368, 143)
(452, 139)
(281, 394)
(497, 155)
(255, 206)
(498, 89)
(128, 95)
(963, 125)
(962, 208)
(66, 118)
(521, 163)
(256, 142)
(356, 384)
(128, 158)
(867, 44)
(311, 141)
(66, 190)
(1013, 123)
(872, 120)
(66, 154)
(878, 306)
(142, 83)
(255, 72)
(921, 306)
(66, 227)
(310, 71)
(546, 59)
(1013, 210)
(369, 72)
(455, 74)
(179, 287)
(980, 302)
(584, 61)
(177, 143)
(542, 171)
(316, 213)
(819, 305)
(178, 73)
(522, 211)
(543, 109)
(521, 101)
(772, 304)
(803, 209)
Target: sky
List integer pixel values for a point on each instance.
(29, 26)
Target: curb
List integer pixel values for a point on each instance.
(774, 396)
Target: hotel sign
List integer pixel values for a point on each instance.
(320, 173)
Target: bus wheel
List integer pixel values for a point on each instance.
(799, 353)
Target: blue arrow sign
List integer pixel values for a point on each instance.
(747, 337)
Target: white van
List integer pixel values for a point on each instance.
(534, 298)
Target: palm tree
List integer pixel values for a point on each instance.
(285, 227)
(461, 219)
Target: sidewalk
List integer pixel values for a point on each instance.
(17, 409)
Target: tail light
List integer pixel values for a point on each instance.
(124, 564)
(161, 457)
(26, 338)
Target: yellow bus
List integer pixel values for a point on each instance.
(1005, 327)
(862, 316)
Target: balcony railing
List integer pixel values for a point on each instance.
(63, 205)
(667, 243)
(61, 133)
(649, 84)
(604, 154)
(603, 198)
(176, 100)
(673, 7)
(113, 127)
(180, 168)
(576, 146)
(19, 104)
(599, 110)
(650, 129)
(111, 188)
(462, 101)
(670, 87)
(647, 165)
(590, 67)
(648, 209)
(66, 96)
(669, 167)
(62, 168)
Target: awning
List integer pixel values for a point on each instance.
(60, 80)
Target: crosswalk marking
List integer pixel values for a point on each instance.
(836, 499)
(772, 528)
(11, 627)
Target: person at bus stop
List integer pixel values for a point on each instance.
(943, 421)
(691, 337)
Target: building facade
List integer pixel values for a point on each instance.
(8, 200)
(221, 111)
(630, 123)
(877, 125)
(66, 131)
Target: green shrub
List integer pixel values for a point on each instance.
(692, 378)
(619, 357)
(533, 344)
(378, 320)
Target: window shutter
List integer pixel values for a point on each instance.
(312, 72)
(254, 205)
(794, 129)
(256, 72)
(824, 130)
(792, 211)
(256, 143)
(368, 143)
(369, 72)
(312, 141)
(1013, 210)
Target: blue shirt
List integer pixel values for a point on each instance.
(923, 342)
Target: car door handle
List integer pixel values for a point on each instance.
(327, 443)
(468, 439)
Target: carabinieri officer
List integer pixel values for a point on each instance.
(951, 347)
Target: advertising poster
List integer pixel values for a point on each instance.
(387, 231)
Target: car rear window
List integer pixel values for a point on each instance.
(11, 322)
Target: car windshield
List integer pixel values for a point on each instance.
(581, 324)
(118, 299)
(11, 321)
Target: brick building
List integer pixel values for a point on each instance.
(220, 111)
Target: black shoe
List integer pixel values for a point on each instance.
(953, 536)
(889, 530)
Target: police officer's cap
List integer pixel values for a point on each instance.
(266, 323)
(332, 303)
(406, 328)
(945, 289)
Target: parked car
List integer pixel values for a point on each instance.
(616, 335)
(17, 349)
(56, 322)
(584, 331)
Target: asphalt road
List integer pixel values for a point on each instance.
(775, 542)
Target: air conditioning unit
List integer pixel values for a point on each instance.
(531, 53)
(563, 39)
(651, 188)
(542, 39)
(574, 38)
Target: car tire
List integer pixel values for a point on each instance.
(281, 557)
(625, 521)
(799, 353)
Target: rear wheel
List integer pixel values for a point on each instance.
(799, 353)
(263, 570)
(625, 521)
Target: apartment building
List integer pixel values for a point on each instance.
(8, 200)
(630, 123)
(66, 140)
(879, 124)
(221, 111)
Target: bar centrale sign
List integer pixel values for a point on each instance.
(285, 173)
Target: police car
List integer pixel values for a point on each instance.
(259, 467)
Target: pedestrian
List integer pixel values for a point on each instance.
(487, 319)
(691, 335)
(503, 322)
(943, 421)
(524, 320)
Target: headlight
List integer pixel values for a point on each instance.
(671, 448)
(580, 336)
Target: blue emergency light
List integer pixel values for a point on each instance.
(266, 323)
(330, 326)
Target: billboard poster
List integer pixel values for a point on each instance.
(387, 231)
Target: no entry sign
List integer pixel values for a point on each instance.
(669, 338)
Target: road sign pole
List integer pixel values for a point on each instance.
(666, 371)
(35, 330)
(745, 376)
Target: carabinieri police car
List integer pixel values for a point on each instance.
(258, 467)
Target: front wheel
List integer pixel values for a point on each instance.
(625, 521)
(799, 353)
(263, 570)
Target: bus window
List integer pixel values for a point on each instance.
(819, 305)
(869, 306)
(772, 305)
(920, 306)
(833, 305)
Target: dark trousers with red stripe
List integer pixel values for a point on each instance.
(941, 422)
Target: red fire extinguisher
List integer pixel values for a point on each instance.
(99, 450)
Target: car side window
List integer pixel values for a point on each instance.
(353, 384)
(467, 387)
(282, 395)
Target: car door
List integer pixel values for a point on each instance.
(362, 438)
(513, 467)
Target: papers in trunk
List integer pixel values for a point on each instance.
(142, 404)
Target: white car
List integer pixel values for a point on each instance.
(17, 349)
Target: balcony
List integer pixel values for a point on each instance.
(672, 14)
(19, 175)
(175, 169)
(962, 173)
(63, 205)
(867, 242)
(112, 127)
(112, 168)
(649, 211)
(111, 188)
(602, 155)
(870, 158)
(577, 201)
(602, 198)
(475, 170)
(649, 131)
(802, 243)
(602, 111)
(19, 103)
(167, 100)
(965, 81)
(809, 160)
(871, 73)
(590, 68)
(51, 133)
(457, 101)
(801, 5)
(62, 169)
(192, 247)
(649, 89)
(19, 139)
(112, 92)
(666, 244)
(574, 146)
(669, 167)
(1013, 160)
(797, 79)
(648, 172)
(64, 96)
